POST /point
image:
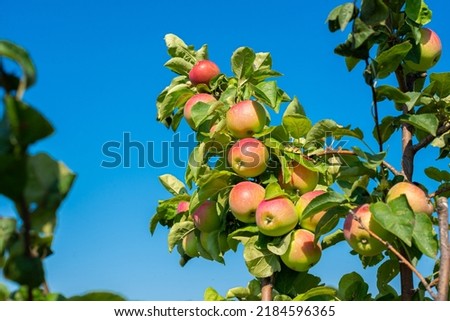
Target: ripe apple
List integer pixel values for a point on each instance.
(310, 222)
(248, 157)
(246, 118)
(430, 49)
(183, 206)
(187, 112)
(416, 197)
(205, 217)
(189, 244)
(203, 71)
(276, 217)
(302, 179)
(358, 238)
(302, 252)
(244, 198)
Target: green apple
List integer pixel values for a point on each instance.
(302, 252)
(359, 239)
(430, 49)
(203, 71)
(248, 157)
(416, 197)
(205, 217)
(187, 111)
(243, 199)
(276, 217)
(310, 222)
(246, 118)
(189, 244)
(302, 179)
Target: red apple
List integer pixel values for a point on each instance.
(430, 49)
(243, 199)
(187, 112)
(302, 252)
(183, 206)
(189, 244)
(358, 238)
(416, 197)
(248, 157)
(302, 179)
(205, 217)
(203, 71)
(310, 222)
(246, 118)
(276, 217)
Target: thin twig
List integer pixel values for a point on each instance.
(428, 139)
(375, 111)
(392, 169)
(444, 270)
(401, 258)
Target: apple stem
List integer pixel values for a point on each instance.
(444, 270)
(266, 288)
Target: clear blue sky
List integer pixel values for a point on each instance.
(100, 69)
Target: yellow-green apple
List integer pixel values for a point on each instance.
(187, 111)
(189, 244)
(359, 239)
(302, 179)
(416, 197)
(182, 207)
(310, 222)
(248, 157)
(244, 198)
(302, 252)
(430, 49)
(205, 217)
(276, 217)
(246, 118)
(203, 71)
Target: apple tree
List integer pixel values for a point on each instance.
(288, 192)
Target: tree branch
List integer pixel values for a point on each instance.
(427, 140)
(266, 288)
(375, 111)
(24, 213)
(444, 270)
(439, 191)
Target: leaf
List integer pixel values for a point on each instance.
(323, 202)
(267, 92)
(242, 62)
(172, 184)
(413, 98)
(374, 12)
(177, 96)
(4, 292)
(321, 291)
(351, 62)
(19, 55)
(437, 174)
(297, 125)
(274, 190)
(294, 283)
(329, 221)
(361, 33)
(7, 229)
(396, 217)
(424, 236)
(294, 108)
(332, 239)
(388, 61)
(212, 295)
(441, 83)
(239, 293)
(97, 296)
(385, 274)
(387, 127)
(210, 243)
(418, 11)
(353, 288)
(279, 245)
(199, 112)
(324, 128)
(24, 270)
(260, 262)
(426, 122)
(177, 48)
(179, 65)
(345, 14)
(391, 93)
(178, 232)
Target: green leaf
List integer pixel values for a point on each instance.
(391, 93)
(210, 243)
(274, 190)
(353, 288)
(242, 62)
(297, 125)
(413, 98)
(329, 221)
(239, 293)
(260, 262)
(294, 108)
(24, 270)
(19, 55)
(7, 229)
(177, 96)
(179, 65)
(321, 291)
(177, 48)
(294, 283)
(396, 217)
(267, 92)
(437, 174)
(418, 11)
(374, 12)
(351, 62)
(97, 296)
(373, 161)
(332, 239)
(178, 231)
(361, 33)
(4, 292)
(441, 83)
(279, 245)
(385, 274)
(199, 112)
(172, 184)
(345, 14)
(424, 236)
(387, 127)
(388, 61)
(426, 122)
(212, 295)
(322, 129)
(323, 202)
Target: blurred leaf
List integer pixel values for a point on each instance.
(424, 236)
(178, 231)
(172, 184)
(353, 288)
(332, 239)
(294, 283)
(274, 190)
(179, 65)
(177, 96)
(321, 291)
(7, 229)
(19, 55)
(426, 122)
(374, 12)
(385, 274)
(323, 202)
(346, 14)
(373, 161)
(388, 61)
(322, 129)
(279, 245)
(391, 93)
(297, 125)
(260, 262)
(351, 62)
(212, 295)
(418, 11)
(437, 174)
(242, 62)
(4, 292)
(361, 33)
(24, 270)
(97, 296)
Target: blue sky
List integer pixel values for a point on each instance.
(100, 69)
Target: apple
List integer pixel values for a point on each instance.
(358, 238)
(276, 217)
(243, 199)
(246, 118)
(416, 197)
(302, 179)
(430, 49)
(203, 71)
(302, 252)
(310, 222)
(187, 111)
(205, 217)
(248, 157)
(189, 244)
(183, 206)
